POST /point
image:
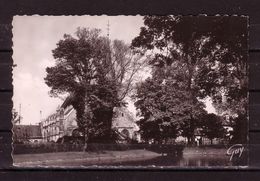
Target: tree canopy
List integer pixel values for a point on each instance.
(212, 127)
(97, 73)
(205, 55)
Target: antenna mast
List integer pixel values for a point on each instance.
(108, 28)
(40, 115)
(20, 113)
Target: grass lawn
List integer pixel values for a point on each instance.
(81, 158)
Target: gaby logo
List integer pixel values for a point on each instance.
(235, 150)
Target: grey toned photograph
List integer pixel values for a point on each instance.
(130, 91)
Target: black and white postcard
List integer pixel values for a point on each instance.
(130, 91)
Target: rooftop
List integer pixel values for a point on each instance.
(27, 131)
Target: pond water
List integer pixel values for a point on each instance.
(189, 161)
(183, 161)
(194, 161)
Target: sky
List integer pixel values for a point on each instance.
(34, 38)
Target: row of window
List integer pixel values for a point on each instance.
(51, 131)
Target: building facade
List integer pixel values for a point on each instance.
(59, 124)
(27, 134)
(63, 123)
(124, 123)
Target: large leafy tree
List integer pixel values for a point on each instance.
(212, 127)
(239, 133)
(207, 55)
(165, 109)
(158, 105)
(97, 74)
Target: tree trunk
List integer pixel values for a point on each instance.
(192, 140)
(107, 120)
(189, 140)
(87, 120)
(85, 141)
(104, 117)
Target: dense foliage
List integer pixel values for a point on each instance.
(97, 74)
(212, 127)
(204, 56)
